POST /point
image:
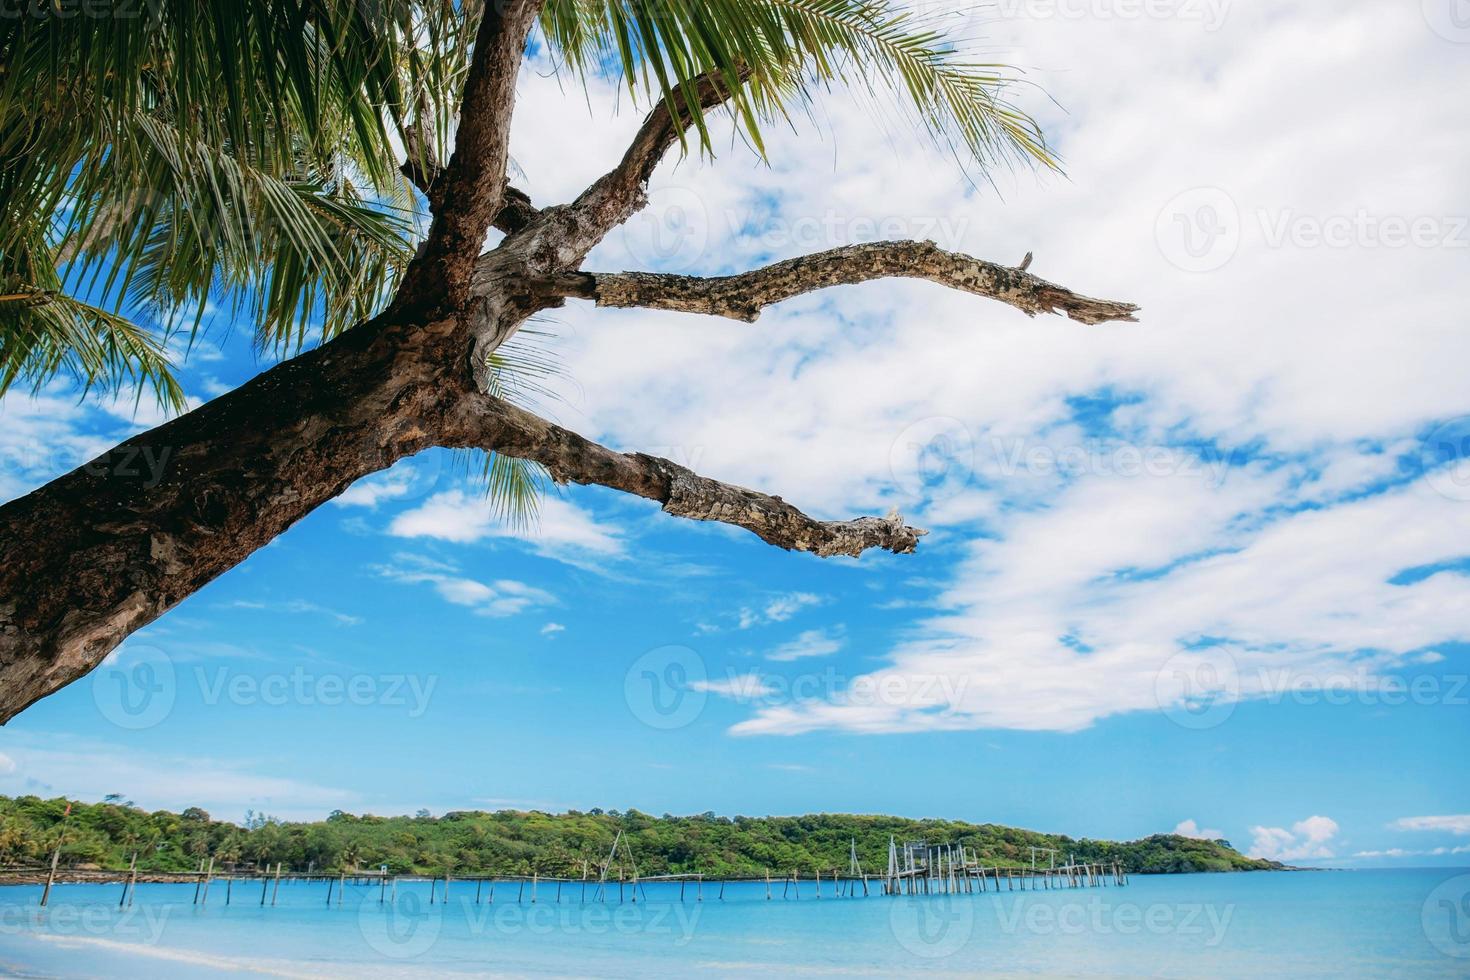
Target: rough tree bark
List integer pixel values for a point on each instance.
(99, 552)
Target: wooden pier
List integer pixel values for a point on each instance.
(914, 868)
(921, 869)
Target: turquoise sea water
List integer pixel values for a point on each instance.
(1412, 923)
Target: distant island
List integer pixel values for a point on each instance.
(105, 836)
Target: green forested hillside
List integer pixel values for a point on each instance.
(512, 842)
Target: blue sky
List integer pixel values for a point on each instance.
(1205, 572)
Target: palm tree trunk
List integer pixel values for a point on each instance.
(108, 548)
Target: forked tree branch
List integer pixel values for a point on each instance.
(744, 296)
(489, 423)
(546, 243)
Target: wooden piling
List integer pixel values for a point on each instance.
(277, 886)
(51, 875)
(133, 874)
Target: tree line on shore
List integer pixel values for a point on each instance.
(106, 835)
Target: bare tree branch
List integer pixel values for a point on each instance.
(744, 296)
(659, 132)
(563, 235)
(489, 423)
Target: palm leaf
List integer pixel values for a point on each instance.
(791, 49)
(519, 371)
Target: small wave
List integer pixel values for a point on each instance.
(213, 961)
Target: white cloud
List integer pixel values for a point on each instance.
(551, 629)
(449, 516)
(214, 387)
(374, 490)
(300, 606)
(562, 529)
(183, 349)
(809, 643)
(1306, 840)
(1188, 828)
(1399, 852)
(54, 764)
(778, 609)
(502, 597)
(1456, 823)
(738, 687)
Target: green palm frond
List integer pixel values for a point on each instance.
(791, 48)
(513, 487)
(45, 332)
(51, 333)
(519, 372)
(168, 224)
(48, 333)
(247, 147)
